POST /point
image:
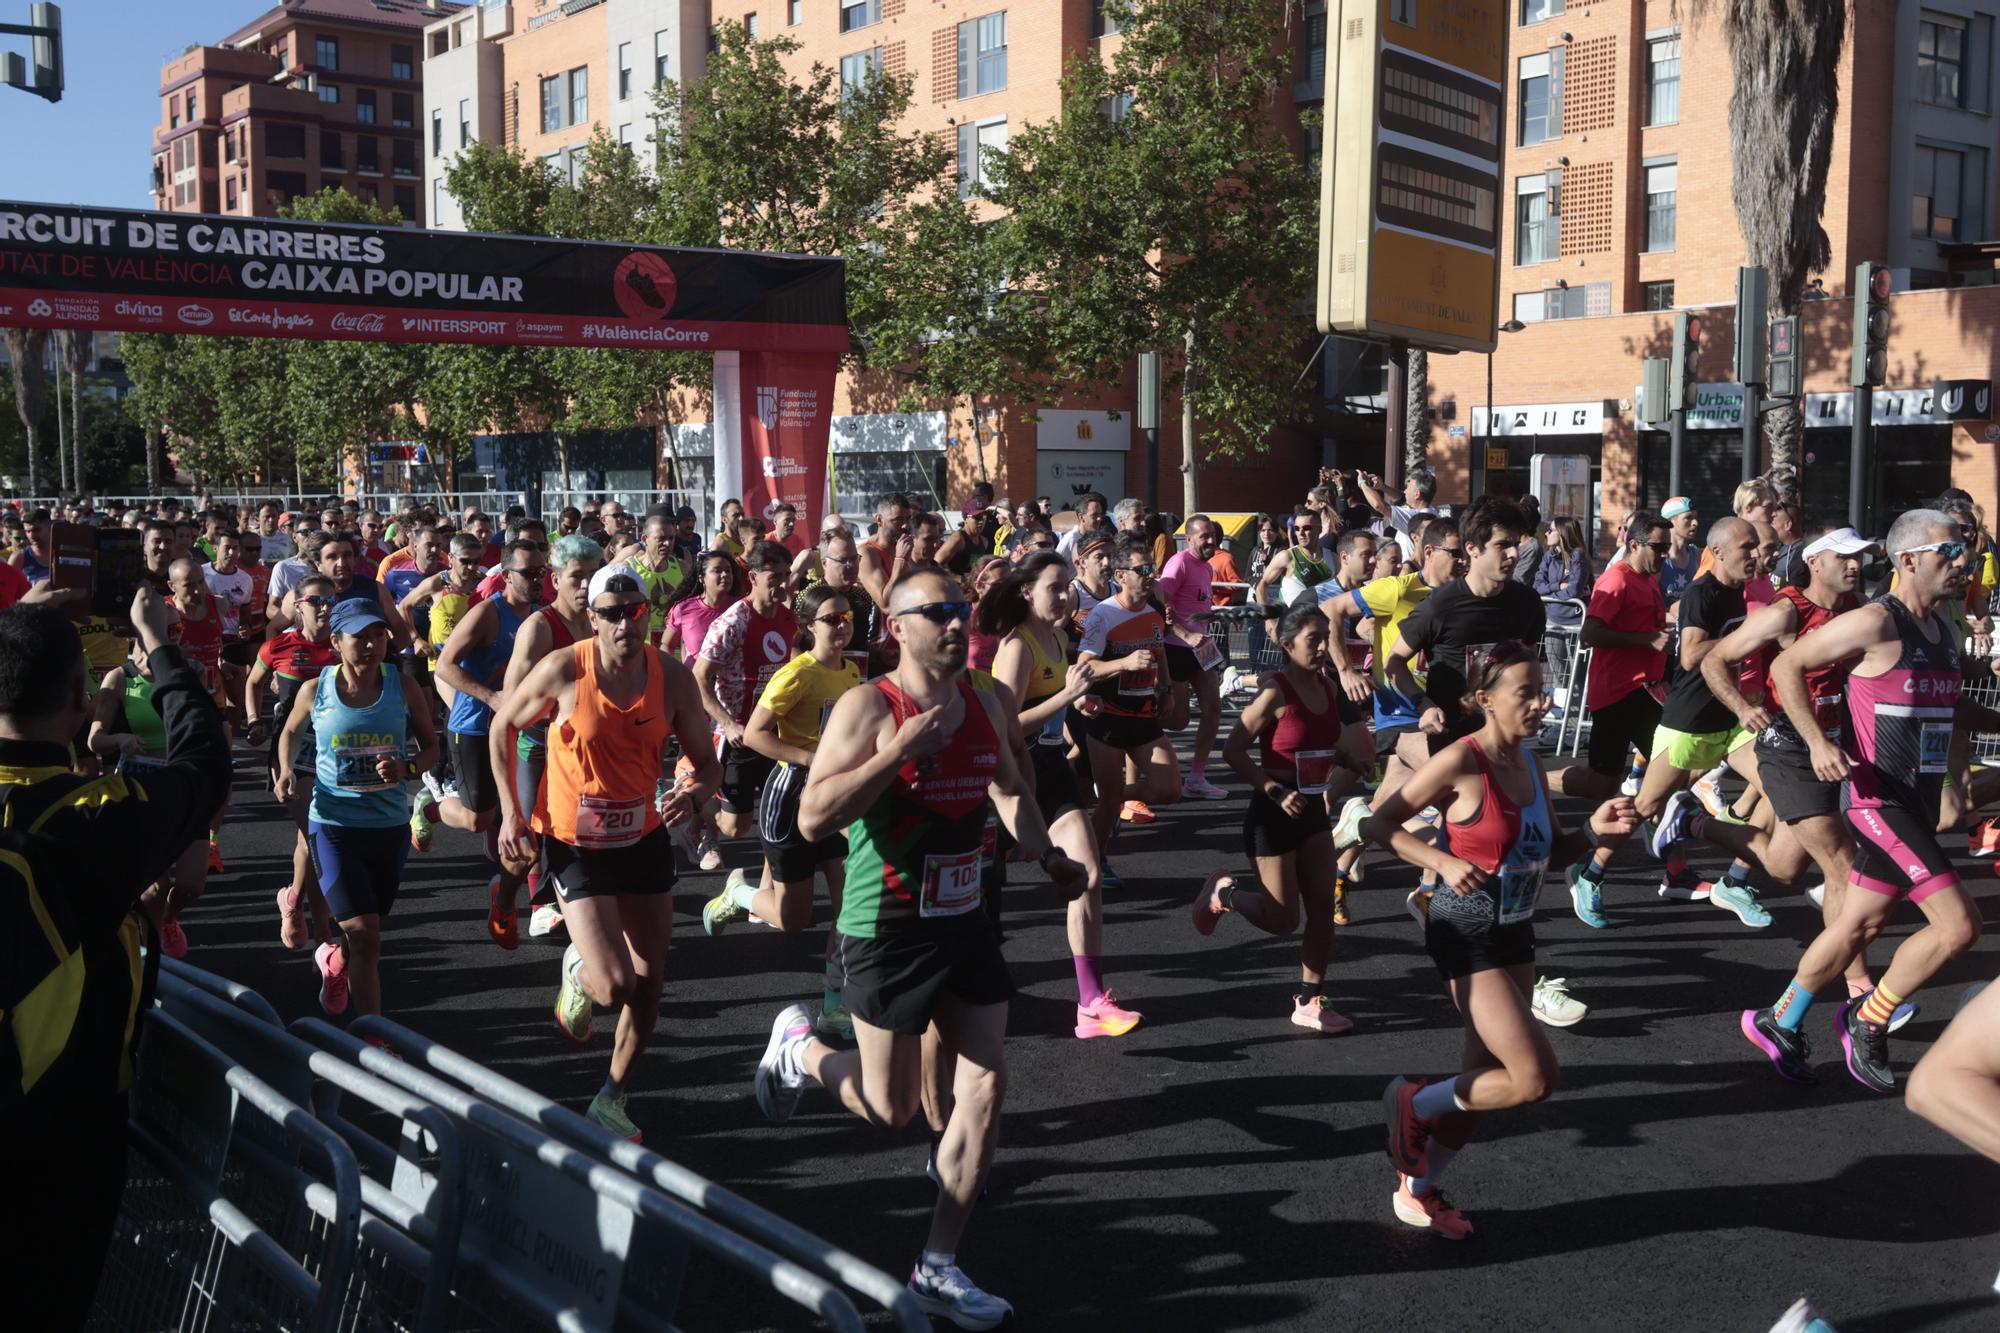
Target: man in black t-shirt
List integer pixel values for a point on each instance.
(1466, 617)
(1697, 731)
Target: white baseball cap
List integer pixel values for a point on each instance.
(1841, 541)
(601, 580)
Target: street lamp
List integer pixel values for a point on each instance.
(1486, 436)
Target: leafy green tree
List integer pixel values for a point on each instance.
(1165, 210)
(342, 395)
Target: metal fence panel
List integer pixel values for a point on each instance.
(528, 1193)
(213, 1229)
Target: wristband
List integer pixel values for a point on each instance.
(1591, 834)
(1047, 852)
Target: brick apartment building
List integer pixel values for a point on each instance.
(312, 93)
(539, 74)
(1618, 182)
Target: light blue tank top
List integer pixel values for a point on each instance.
(346, 789)
(488, 665)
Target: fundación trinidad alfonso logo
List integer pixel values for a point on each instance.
(643, 286)
(767, 405)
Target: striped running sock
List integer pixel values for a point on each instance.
(1879, 1007)
(1790, 1010)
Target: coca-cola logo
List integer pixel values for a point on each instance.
(346, 323)
(198, 315)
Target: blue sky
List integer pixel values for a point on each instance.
(95, 146)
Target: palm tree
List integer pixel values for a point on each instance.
(25, 348)
(1786, 59)
(1416, 410)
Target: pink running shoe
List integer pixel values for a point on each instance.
(1104, 1018)
(1429, 1209)
(332, 964)
(1318, 1018)
(293, 930)
(1206, 913)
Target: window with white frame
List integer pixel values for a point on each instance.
(1663, 80)
(1541, 98)
(859, 14)
(661, 45)
(977, 143)
(464, 122)
(982, 55)
(857, 69)
(624, 70)
(437, 133)
(1537, 11)
(1537, 230)
(1661, 191)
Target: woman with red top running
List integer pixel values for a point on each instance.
(1499, 837)
(1304, 752)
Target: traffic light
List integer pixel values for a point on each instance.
(1784, 374)
(1871, 325)
(1753, 285)
(42, 75)
(1684, 368)
(1656, 405)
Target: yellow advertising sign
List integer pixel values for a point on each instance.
(1410, 172)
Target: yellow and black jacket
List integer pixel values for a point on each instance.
(75, 854)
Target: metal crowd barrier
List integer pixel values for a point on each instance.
(240, 1209)
(1566, 668)
(1984, 690)
(306, 1179)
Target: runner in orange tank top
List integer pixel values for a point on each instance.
(612, 701)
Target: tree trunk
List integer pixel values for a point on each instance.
(24, 354)
(1784, 432)
(562, 460)
(978, 445)
(1416, 411)
(155, 446)
(1190, 478)
(62, 445)
(76, 348)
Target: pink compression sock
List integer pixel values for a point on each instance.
(1089, 979)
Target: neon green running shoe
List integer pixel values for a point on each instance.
(610, 1113)
(572, 1004)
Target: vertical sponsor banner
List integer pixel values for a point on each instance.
(726, 427)
(787, 413)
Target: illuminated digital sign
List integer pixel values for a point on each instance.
(1410, 171)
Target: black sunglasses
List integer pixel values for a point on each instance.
(530, 572)
(321, 602)
(1664, 548)
(1144, 571)
(621, 611)
(940, 613)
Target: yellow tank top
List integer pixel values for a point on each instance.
(1045, 673)
(448, 607)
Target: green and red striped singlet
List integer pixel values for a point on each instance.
(915, 856)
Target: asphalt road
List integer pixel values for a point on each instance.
(1218, 1168)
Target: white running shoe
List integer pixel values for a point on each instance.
(545, 920)
(1204, 789)
(949, 1293)
(709, 855)
(1630, 786)
(781, 1074)
(1553, 1005)
(1818, 894)
(1347, 829)
(1231, 681)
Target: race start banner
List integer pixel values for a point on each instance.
(772, 449)
(144, 272)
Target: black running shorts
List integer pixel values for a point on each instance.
(1461, 948)
(1793, 789)
(744, 774)
(1057, 791)
(640, 869)
(792, 858)
(1269, 831)
(472, 765)
(1616, 728)
(898, 981)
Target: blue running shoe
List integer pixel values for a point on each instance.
(1587, 896)
(1672, 827)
